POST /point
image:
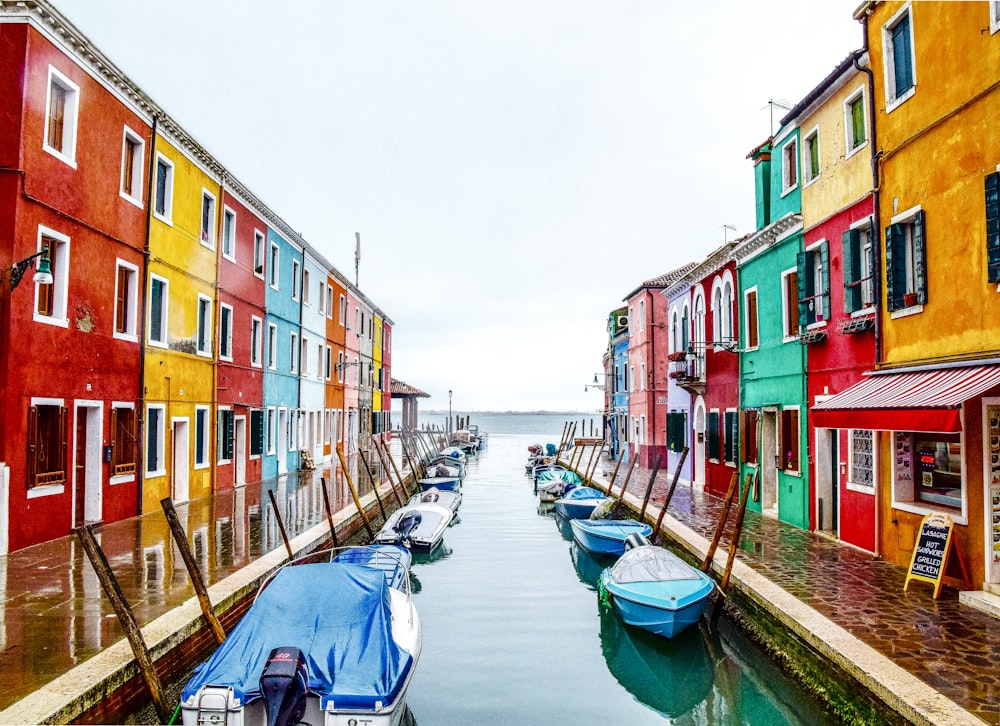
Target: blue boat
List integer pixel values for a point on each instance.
(607, 536)
(324, 642)
(579, 502)
(391, 560)
(654, 589)
(442, 483)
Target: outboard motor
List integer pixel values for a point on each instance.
(406, 524)
(284, 684)
(636, 540)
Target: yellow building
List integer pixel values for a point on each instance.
(178, 436)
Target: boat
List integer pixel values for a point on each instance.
(323, 642)
(442, 483)
(453, 452)
(444, 497)
(553, 484)
(654, 589)
(416, 526)
(445, 466)
(607, 536)
(579, 502)
(392, 561)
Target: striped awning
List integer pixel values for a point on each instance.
(907, 401)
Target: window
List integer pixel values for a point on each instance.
(51, 299)
(295, 279)
(155, 438)
(273, 268)
(46, 445)
(343, 310)
(123, 440)
(905, 261)
(305, 287)
(229, 234)
(862, 458)
(749, 444)
(329, 302)
(340, 366)
(322, 297)
(293, 352)
(731, 436)
(256, 339)
(258, 253)
(163, 197)
(993, 227)
(810, 171)
(322, 362)
(202, 431)
(126, 300)
(61, 117)
(750, 320)
(994, 16)
(269, 431)
(328, 366)
(226, 331)
(272, 346)
(256, 433)
(855, 121)
(132, 153)
(204, 336)
(928, 468)
(642, 376)
(677, 427)
(159, 294)
(790, 439)
(207, 218)
(859, 290)
(712, 434)
(790, 304)
(642, 315)
(813, 272)
(789, 166)
(900, 76)
(224, 436)
(304, 357)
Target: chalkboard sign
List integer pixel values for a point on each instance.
(930, 554)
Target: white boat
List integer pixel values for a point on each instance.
(444, 497)
(417, 526)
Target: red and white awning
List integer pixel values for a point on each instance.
(913, 401)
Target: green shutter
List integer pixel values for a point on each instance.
(993, 227)
(713, 435)
(256, 432)
(824, 263)
(895, 267)
(920, 258)
(805, 289)
(858, 121)
(851, 240)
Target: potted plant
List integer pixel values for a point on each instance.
(909, 299)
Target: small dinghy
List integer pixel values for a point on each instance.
(579, 502)
(442, 483)
(607, 536)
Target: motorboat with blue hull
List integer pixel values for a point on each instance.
(416, 526)
(445, 466)
(441, 483)
(552, 484)
(607, 536)
(579, 502)
(324, 643)
(450, 499)
(654, 589)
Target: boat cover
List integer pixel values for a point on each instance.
(569, 477)
(391, 560)
(651, 564)
(338, 615)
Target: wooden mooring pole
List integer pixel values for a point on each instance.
(375, 484)
(329, 511)
(388, 454)
(354, 494)
(281, 525)
(706, 565)
(621, 494)
(614, 476)
(734, 545)
(649, 488)
(127, 618)
(670, 493)
(388, 471)
(180, 539)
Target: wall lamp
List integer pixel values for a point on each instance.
(595, 384)
(347, 364)
(43, 275)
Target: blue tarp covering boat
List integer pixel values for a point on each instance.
(338, 615)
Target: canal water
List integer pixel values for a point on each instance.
(514, 633)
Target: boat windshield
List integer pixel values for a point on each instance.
(650, 564)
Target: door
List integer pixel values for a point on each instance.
(240, 449)
(827, 481)
(769, 461)
(282, 451)
(80, 469)
(699, 442)
(87, 469)
(180, 448)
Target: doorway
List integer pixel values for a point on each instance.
(179, 473)
(240, 449)
(769, 461)
(87, 468)
(282, 452)
(827, 482)
(699, 442)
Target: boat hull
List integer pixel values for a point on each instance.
(606, 536)
(579, 503)
(444, 483)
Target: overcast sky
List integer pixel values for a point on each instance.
(515, 168)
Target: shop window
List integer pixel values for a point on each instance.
(46, 445)
(928, 468)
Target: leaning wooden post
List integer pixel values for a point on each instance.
(281, 525)
(614, 476)
(180, 539)
(329, 511)
(354, 494)
(649, 488)
(127, 619)
(621, 494)
(371, 478)
(414, 464)
(388, 472)
(670, 493)
(388, 454)
(734, 544)
(723, 516)
(586, 475)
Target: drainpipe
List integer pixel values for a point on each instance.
(140, 454)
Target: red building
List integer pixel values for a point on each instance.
(240, 340)
(73, 183)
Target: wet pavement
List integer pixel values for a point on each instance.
(55, 616)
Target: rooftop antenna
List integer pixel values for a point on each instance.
(772, 104)
(726, 229)
(357, 256)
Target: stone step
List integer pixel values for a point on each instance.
(988, 602)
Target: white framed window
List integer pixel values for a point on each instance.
(126, 301)
(340, 366)
(329, 302)
(204, 334)
(305, 287)
(810, 158)
(751, 320)
(994, 16)
(900, 65)
(293, 353)
(343, 310)
(304, 357)
(322, 297)
(858, 251)
(51, 299)
(208, 218)
(156, 424)
(225, 435)
(256, 340)
(790, 305)
(322, 362)
(124, 447)
(133, 151)
(228, 234)
(62, 116)
(202, 437)
(855, 122)
(642, 315)
(274, 278)
(789, 166)
(269, 432)
(295, 279)
(159, 305)
(258, 253)
(163, 192)
(328, 367)
(906, 261)
(226, 331)
(272, 346)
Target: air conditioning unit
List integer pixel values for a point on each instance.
(623, 321)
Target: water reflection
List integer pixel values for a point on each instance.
(441, 552)
(589, 565)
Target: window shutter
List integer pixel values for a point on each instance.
(32, 468)
(851, 240)
(115, 454)
(993, 227)
(743, 427)
(920, 258)
(858, 121)
(824, 263)
(121, 301)
(230, 423)
(805, 281)
(256, 433)
(713, 435)
(64, 442)
(895, 267)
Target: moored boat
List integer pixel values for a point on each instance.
(553, 484)
(579, 502)
(607, 536)
(416, 526)
(442, 483)
(450, 499)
